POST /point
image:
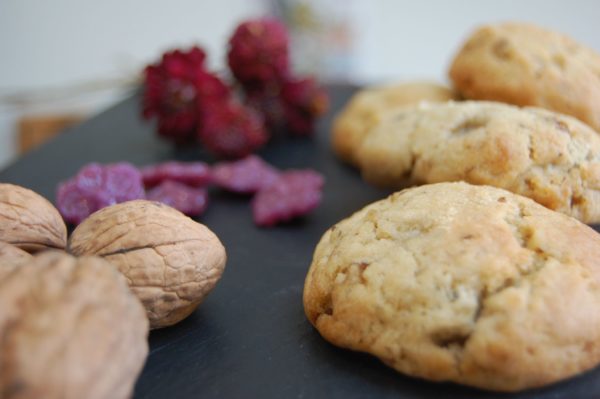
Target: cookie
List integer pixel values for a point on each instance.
(524, 64)
(369, 106)
(552, 158)
(463, 283)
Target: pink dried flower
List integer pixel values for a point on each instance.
(294, 194)
(189, 200)
(96, 186)
(194, 174)
(245, 176)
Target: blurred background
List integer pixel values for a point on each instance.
(65, 60)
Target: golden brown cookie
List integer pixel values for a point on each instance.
(367, 107)
(524, 64)
(463, 283)
(552, 158)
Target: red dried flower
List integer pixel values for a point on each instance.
(172, 89)
(259, 52)
(267, 101)
(170, 93)
(303, 101)
(210, 88)
(191, 103)
(232, 130)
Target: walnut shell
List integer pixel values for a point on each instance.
(170, 261)
(29, 221)
(11, 257)
(69, 328)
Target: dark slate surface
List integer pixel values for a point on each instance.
(250, 338)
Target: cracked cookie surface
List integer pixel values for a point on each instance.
(369, 106)
(463, 283)
(551, 158)
(524, 64)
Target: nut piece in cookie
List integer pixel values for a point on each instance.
(462, 283)
(170, 261)
(551, 158)
(29, 221)
(369, 106)
(524, 64)
(70, 329)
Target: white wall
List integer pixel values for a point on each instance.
(411, 39)
(60, 43)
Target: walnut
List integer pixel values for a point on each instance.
(29, 221)
(69, 328)
(170, 261)
(11, 257)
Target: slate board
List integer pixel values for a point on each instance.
(250, 338)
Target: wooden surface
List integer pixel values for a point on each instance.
(36, 130)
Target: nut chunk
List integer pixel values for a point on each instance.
(69, 328)
(170, 261)
(29, 221)
(11, 257)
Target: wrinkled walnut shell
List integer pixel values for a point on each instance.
(170, 261)
(11, 257)
(29, 221)
(69, 328)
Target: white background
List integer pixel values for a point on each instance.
(49, 45)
